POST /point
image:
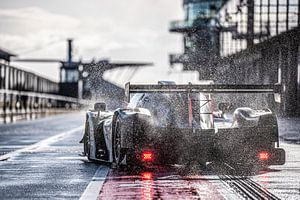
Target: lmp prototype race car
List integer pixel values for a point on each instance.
(177, 124)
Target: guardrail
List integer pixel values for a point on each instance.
(12, 78)
(27, 95)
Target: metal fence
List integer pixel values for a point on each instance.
(26, 95)
(256, 21)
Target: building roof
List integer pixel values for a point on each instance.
(5, 55)
(199, 1)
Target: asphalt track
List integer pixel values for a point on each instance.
(41, 160)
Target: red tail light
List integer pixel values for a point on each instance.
(264, 156)
(147, 156)
(146, 175)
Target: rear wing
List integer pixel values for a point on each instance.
(189, 88)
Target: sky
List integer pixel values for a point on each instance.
(119, 30)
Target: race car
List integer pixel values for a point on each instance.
(178, 124)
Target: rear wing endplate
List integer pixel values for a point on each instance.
(189, 88)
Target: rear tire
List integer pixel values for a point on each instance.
(86, 146)
(132, 163)
(118, 152)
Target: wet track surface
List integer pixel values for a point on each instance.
(44, 163)
(52, 169)
(166, 183)
(24, 133)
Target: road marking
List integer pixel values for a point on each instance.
(93, 189)
(41, 144)
(228, 193)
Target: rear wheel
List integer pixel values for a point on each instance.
(86, 146)
(118, 152)
(132, 163)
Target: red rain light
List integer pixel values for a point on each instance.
(147, 156)
(264, 155)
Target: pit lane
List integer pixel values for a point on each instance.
(178, 183)
(54, 169)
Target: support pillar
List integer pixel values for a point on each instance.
(289, 70)
(250, 23)
(298, 80)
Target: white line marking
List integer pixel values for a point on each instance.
(224, 190)
(93, 189)
(41, 144)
